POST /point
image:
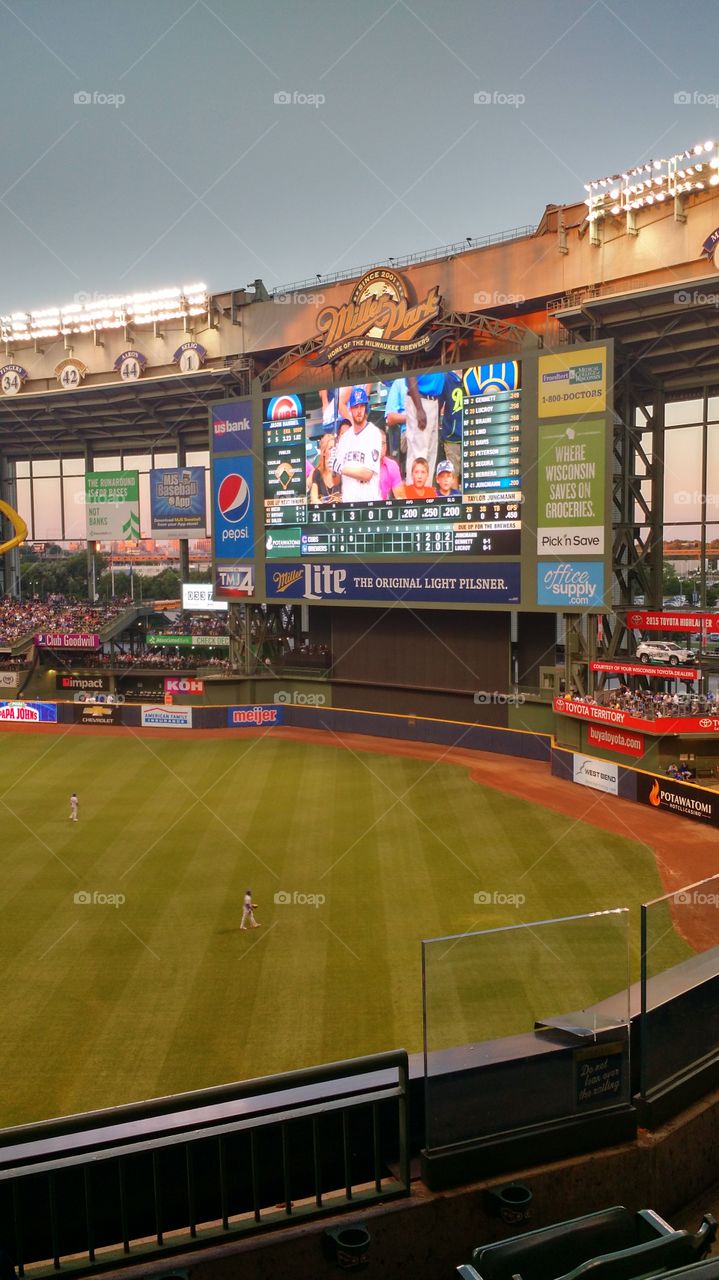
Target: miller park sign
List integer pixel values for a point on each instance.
(380, 316)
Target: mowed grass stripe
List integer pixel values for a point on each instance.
(100, 1020)
(224, 994)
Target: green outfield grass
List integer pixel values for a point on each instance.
(103, 1005)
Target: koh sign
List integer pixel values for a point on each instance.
(183, 684)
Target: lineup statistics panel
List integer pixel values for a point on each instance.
(483, 520)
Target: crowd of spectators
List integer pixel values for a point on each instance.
(60, 614)
(651, 706)
(20, 618)
(681, 772)
(197, 624)
(141, 658)
(308, 655)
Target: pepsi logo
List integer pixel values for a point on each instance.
(233, 498)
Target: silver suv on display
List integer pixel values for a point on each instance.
(665, 651)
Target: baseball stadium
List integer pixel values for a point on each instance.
(431, 713)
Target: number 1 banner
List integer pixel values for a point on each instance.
(112, 502)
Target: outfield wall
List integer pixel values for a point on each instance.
(446, 733)
(421, 729)
(685, 799)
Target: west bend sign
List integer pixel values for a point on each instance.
(380, 316)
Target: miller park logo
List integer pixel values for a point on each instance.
(380, 316)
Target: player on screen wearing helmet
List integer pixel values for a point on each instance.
(358, 452)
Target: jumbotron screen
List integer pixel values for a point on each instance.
(421, 465)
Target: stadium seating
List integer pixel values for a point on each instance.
(613, 1244)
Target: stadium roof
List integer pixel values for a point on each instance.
(668, 336)
(151, 413)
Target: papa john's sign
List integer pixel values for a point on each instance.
(380, 316)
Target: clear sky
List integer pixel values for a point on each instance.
(185, 165)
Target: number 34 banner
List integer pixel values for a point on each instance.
(112, 502)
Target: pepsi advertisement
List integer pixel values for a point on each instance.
(233, 507)
(231, 426)
(446, 583)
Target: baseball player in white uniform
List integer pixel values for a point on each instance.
(358, 453)
(73, 807)
(248, 911)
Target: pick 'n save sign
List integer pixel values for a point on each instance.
(112, 503)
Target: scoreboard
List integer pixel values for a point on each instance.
(482, 517)
(462, 528)
(490, 443)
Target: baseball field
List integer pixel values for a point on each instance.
(123, 970)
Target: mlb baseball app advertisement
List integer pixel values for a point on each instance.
(177, 502)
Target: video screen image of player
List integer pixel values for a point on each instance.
(427, 462)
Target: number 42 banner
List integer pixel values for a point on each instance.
(112, 502)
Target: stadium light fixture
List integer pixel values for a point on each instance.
(676, 176)
(117, 312)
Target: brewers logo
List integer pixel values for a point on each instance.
(486, 379)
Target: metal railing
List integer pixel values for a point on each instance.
(303, 1144)
(314, 283)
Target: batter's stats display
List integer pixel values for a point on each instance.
(412, 466)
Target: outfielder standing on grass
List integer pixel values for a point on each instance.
(248, 911)
(73, 807)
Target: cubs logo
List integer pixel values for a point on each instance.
(285, 406)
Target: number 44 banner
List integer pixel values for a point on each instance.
(112, 502)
